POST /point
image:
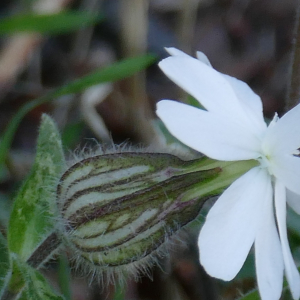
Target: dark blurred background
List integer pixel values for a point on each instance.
(247, 39)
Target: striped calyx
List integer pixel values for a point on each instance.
(118, 209)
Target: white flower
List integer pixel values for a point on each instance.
(232, 128)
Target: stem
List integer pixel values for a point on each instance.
(293, 89)
(44, 251)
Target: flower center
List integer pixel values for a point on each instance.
(265, 163)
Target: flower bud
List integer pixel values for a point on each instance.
(118, 209)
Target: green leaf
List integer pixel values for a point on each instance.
(117, 71)
(16, 282)
(48, 23)
(4, 263)
(5, 209)
(37, 288)
(34, 285)
(253, 295)
(193, 102)
(33, 210)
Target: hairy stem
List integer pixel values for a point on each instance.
(44, 251)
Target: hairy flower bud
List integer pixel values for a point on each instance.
(118, 209)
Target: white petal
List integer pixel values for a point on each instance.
(200, 55)
(203, 58)
(213, 135)
(250, 100)
(231, 225)
(284, 135)
(268, 255)
(175, 52)
(293, 201)
(243, 92)
(207, 85)
(291, 271)
(287, 169)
